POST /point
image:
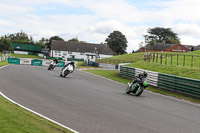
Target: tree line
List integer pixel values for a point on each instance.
(116, 41)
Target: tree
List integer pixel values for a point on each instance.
(20, 37)
(163, 35)
(74, 40)
(48, 45)
(117, 42)
(5, 44)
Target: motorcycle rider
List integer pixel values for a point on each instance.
(71, 63)
(139, 77)
(55, 60)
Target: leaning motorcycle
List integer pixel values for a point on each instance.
(66, 70)
(52, 65)
(138, 87)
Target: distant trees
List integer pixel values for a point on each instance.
(20, 37)
(5, 44)
(48, 44)
(117, 42)
(163, 35)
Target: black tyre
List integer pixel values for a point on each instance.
(139, 91)
(66, 73)
(50, 67)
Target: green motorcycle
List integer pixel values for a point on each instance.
(138, 87)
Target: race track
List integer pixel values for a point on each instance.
(90, 104)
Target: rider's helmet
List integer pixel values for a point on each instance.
(145, 74)
(72, 62)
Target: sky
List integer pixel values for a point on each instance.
(93, 20)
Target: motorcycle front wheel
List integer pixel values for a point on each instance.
(128, 90)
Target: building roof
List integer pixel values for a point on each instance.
(80, 47)
(160, 46)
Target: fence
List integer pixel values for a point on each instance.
(5, 55)
(169, 82)
(113, 61)
(192, 61)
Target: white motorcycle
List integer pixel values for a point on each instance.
(66, 70)
(52, 65)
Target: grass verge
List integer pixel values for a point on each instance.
(14, 119)
(3, 63)
(114, 75)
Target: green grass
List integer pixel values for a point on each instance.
(114, 75)
(25, 56)
(81, 65)
(14, 119)
(3, 63)
(173, 70)
(137, 61)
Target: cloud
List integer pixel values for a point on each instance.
(97, 19)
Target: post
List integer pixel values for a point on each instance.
(171, 58)
(177, 59)
(161, 59)
(184, 60)
(157, 58)
(192, 62)
(165, 59)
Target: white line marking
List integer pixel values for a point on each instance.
(170, 97)
(35, 111)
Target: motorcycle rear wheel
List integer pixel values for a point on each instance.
(66, 73)
(139, 91)
(50, 67)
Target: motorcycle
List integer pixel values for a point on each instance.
(52, 65)
(138, 87)
(66, 70)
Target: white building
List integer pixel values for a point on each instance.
(80, 50)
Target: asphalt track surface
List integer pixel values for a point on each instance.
(91, 104)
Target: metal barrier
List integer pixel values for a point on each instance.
(170, 82)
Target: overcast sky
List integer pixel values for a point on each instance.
(93, 20)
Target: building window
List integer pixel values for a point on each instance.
(179, 48)
(69, 52)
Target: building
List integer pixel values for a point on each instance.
(165, 47)
(28, 49)
(79, 50)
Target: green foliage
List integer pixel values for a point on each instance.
(163, 35)
(5, 44)
(48, 45)
(74, 40)
(20, 37)
(117, 42)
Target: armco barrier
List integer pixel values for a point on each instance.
(60, 64)
(14, 60)
(179, 84)
(170, 82)
(25, 61)
(36, 62)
